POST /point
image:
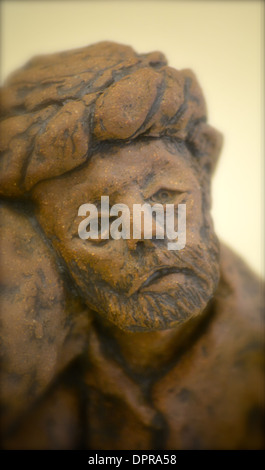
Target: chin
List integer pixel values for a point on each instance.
(168, 297)
(165, 304)
(169, 301)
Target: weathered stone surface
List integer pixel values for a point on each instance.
(119, 344)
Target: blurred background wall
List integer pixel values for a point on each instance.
(220, 41)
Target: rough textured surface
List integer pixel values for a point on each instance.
(57, 107)
(119, 344)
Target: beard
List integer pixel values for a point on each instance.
(178, 286)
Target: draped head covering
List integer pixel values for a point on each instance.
(57, 107)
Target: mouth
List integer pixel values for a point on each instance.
(161, 273)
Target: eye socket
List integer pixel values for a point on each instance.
(164, 195)
(99, 239)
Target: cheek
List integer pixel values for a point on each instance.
(106, 261)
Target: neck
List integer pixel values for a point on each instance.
(146, 352)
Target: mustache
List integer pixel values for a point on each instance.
(144, 311)
(189, 261)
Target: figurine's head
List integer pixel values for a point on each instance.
(104, 121)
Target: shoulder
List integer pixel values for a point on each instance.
(213, 396)
(244, 285)
(238, 306)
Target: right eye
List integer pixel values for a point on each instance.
(165, 195)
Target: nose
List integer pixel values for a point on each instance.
(142, 232)
(134, 244)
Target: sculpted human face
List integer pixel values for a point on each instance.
(135, 284)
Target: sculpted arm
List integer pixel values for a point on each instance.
(42, 330)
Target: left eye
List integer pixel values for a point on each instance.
(164, 195)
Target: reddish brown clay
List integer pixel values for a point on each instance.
(119, 344)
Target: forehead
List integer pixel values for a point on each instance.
(140, 164)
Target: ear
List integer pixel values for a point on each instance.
(205, 143)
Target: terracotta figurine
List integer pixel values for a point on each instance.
(119, 343)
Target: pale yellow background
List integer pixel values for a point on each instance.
(220, 40)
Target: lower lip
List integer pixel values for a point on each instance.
(165, 282)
